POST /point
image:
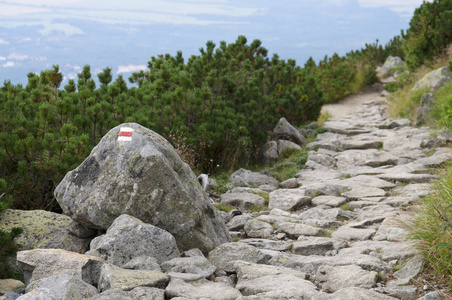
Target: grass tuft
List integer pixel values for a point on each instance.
(431, 228)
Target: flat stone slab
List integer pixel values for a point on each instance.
(353, 293)
(343, 127)
(392, 229)
(350, 233)
(201, 289)
(364, 192)
(438, 159)
(408, 177)
(268, 244)
(332, 201)
(242, 200)
(310, 264)
(369, 157)
(294, 230)
(333, 279)
(288, 199)
(366, 181)
(312, 246)
(356, 144)
(414, 190)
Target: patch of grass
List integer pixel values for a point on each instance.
(324, 116)
(346, 206)
(266, 197)
(404, 102)
(381, 277)
(328, 231)
(442, 107)
(431, 228)
(222, 180)
(224, 207)
(257, 208)
(292, 164)
(399, 267)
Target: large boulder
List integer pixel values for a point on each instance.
(129, 237)
(434, 80)
(390, 63)
(44, 230)
(285, 131)
(135, 171)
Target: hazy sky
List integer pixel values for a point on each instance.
(140, 29)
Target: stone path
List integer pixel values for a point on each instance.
(335, 231)
(341, 223)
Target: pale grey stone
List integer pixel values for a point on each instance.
(363, 192)
(312, 246)
(441, 156)
(322, 159)
(268, 244)
(294, 230)
(248, 270)
(200, 289)
(283, 145)
(40, 263)
(143, 262)
(44, 230)
(141, 293)
(360, 144)
(408, 177)
(273, 295)
(238, 222)
(414, 190)
(400, 292)
(434, 80)
(369, 157)
(62, 286)
(333, 279)
(296, 285)
(112, 277)
(343, 127)
(224, 256)
(144, 178)
(366, 181)
(194, 265)
(291, 183)
(349, 233)
(242, 200)
(288, 199)
(332, 214)
(285, 131)
(313, 262)
(353, 293)
(269, 153)
(395, 123)
(258, 229)
(380, 210)
(192, 253)
(246, 178)
(404, 275)
(392, 229)
(332, 201)
(324, 188)
(390, 63)
(128, 237)
(431, 296)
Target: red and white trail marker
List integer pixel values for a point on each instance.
(125, 134)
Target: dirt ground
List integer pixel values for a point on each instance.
(351, 103)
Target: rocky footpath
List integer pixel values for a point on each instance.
(335, 231)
